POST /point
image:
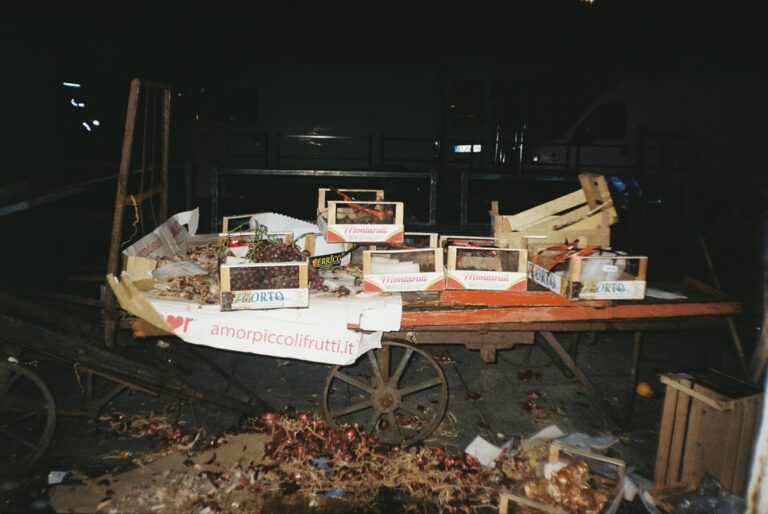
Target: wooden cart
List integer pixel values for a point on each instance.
(494, 320)
(489, 321)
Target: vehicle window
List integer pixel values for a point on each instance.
(606, 121)
(466, 105)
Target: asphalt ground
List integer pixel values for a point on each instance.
(485, 399)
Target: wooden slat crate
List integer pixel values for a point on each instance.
(709, 424)
(585, 215)
(612, 469)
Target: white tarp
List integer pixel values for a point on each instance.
(318, 333)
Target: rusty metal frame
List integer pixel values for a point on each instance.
(139, 88)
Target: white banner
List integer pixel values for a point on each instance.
(317, 334)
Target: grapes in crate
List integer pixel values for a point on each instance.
(249, 278)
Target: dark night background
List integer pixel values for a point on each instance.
(548, 61)
(564, 53)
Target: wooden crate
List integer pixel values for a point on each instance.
(420, 239)
(585, 215)
(570, 280)
(611, 469)
(709, 424)
(486, 242)
(341, 226)
(500, 269)
(326, 194)
(422, 270)
(251, 297)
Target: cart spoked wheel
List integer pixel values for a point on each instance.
(27, 418)
(398, 393)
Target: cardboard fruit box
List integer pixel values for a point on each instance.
(264, 285)
(605, 276)
(372, 222)
(498, 269)
(403, 270)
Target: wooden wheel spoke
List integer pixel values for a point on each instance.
(374, 421)
(397, 427)
(9, 383)
(24, 416)
(11, 402)
(354, 382)
(18, 438)
(421, 386)
(355, 407)
(375, 366)
(386, 394)
(402, 407)
(401, 366)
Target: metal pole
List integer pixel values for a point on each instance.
(110, 313)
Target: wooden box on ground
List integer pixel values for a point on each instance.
(599, 276)
(709, 424)
(373, 222)
(500, 269)
(609, 471)
(403, 270)
(264, 285)
(585, 215)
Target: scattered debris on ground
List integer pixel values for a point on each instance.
(281, 462)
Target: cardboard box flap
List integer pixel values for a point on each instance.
(133, 301)
(168, 239)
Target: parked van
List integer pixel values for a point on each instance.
(655, 123)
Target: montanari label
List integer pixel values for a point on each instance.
(404, 282)
(365, 233)
(488, 280)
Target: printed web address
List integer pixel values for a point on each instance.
(297, 340)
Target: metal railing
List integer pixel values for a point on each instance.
(306, 174)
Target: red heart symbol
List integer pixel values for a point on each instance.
(174, 321)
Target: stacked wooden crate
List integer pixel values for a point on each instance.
(585, 215)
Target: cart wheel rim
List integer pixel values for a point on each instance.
(26, 425)
(398, 393)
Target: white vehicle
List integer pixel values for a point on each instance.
(656, 124)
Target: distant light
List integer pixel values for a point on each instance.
(87, 127)
(535, 158)
(70, 84)
(75, 103)
(467, 148)
(96, 123)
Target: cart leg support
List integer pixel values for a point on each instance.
(567, 361)
(637, 345)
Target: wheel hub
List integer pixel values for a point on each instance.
(386, 399)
